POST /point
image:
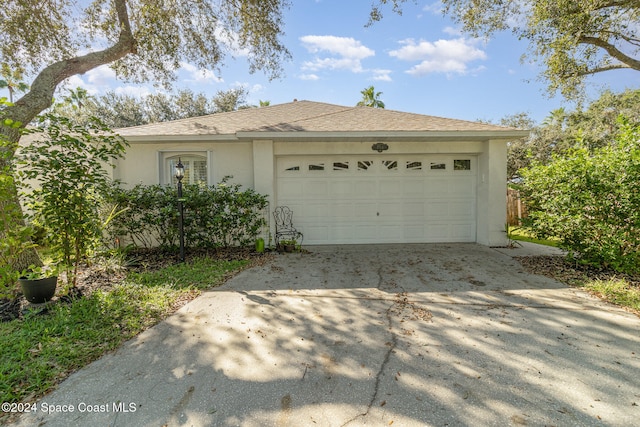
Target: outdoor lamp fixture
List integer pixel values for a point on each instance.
(179, 175)
(379, 147)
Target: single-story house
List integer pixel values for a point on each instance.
(350, 174)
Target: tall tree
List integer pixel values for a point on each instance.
(591, 128)
(120, 110)
(230, 100)
(370, 98)
(142, 40)
(572, 38)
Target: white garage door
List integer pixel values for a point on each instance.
(380, 199)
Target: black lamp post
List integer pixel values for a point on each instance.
(179, 176)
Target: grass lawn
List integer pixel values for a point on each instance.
(519, 234)
(40, 350)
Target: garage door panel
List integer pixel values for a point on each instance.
(390, 232)
(370, 201)
(462, 232)
(291, 188)
(342, 211)
(341, 189)
(437, 187)
(313, 233)
(391, 188)
(413, 209)
(313, 211)
(316, 188)
(413, 188)
(365, 209)
(438, 232)
(462, 209)
(342, 233)
(365, 188)
(414, 233)
(437, 209)
(389, 209)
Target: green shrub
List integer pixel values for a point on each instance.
(589, 200)
(217, 216)
(69, 163)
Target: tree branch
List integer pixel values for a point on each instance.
(611, 50)
(607, 68)
(43, 87)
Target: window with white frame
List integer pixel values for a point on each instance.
(195, 168)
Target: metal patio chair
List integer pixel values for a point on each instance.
(285, 230)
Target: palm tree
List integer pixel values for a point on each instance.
(78, 98)
(11, 80)
(370, 98)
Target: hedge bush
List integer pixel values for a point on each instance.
(214, 216)
(590, 200)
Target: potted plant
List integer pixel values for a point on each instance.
(38, 284)
(288, 245)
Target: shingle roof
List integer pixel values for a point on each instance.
(307, 116)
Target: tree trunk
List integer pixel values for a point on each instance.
(40, 97)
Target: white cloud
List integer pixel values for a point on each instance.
(101, 76)
(452, 31)
(382, 75)
(198, 75)
(435, 8)
(441, 56)
(135, 91)
(344, 53)
(312, 77)
(343, 46)
(94, 81)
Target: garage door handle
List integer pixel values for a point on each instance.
(377, 213)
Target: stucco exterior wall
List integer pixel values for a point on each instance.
(144, 162)
(492, 194)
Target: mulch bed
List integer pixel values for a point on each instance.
(574, 274)
(101, 276)
(570, 272)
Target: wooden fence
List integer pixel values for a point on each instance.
(515, 208)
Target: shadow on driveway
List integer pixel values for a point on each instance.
(406, 335)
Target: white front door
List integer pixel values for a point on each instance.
(380, 199)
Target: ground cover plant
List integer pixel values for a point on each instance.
(42, 348)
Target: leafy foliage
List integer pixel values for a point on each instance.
(16, 237)
(589, 200)
(68, 162)
(119, 110)
(216, 216)
(196, 31)
(593, 127)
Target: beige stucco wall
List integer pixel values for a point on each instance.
(492, 194)
(144, 162)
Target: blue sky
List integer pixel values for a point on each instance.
(419, 61)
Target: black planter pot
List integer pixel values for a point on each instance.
(38, 291)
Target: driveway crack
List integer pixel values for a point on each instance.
(391, 347)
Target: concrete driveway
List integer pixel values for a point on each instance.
(413, 335)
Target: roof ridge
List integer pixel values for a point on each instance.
(317, 116)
